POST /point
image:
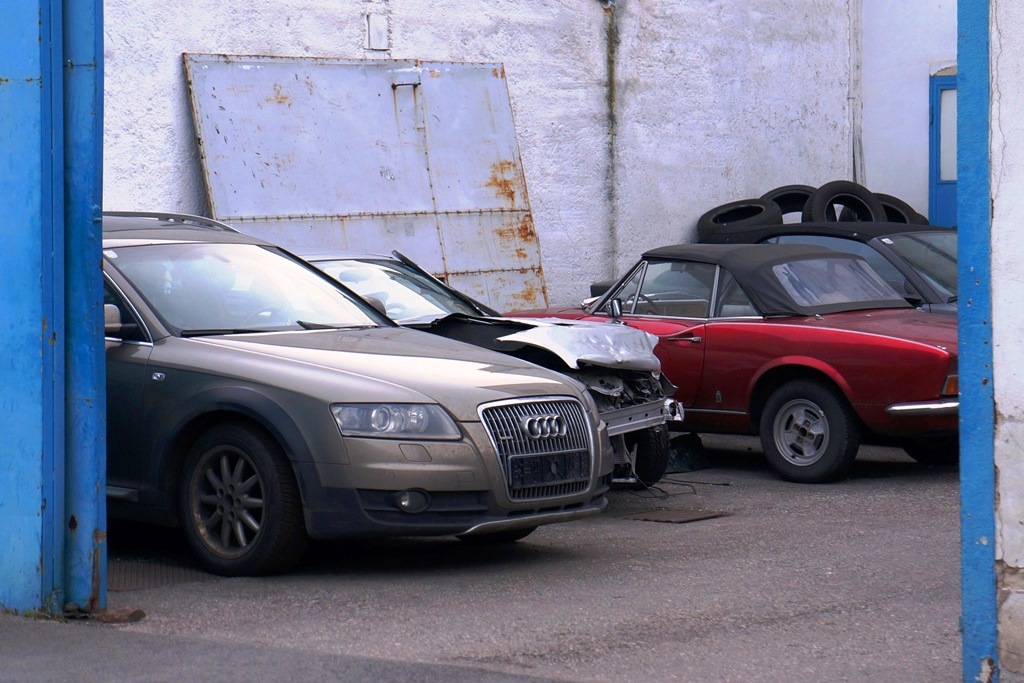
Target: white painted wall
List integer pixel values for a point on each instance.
(1007, 177)
(721, 101)
(903, 44)
(717, 101)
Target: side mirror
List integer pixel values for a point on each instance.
(112, 325)
(615, 308)
(111, 320)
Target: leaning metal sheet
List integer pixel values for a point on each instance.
(329, 154)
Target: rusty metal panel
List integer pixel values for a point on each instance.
(327, 154)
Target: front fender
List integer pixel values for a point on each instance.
(179, 429)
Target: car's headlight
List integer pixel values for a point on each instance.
(395, 420)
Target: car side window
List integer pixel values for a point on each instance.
(731, 301)
(879, 263)
(678, 289)
(131, 329)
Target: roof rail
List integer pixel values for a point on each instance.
(174, 218)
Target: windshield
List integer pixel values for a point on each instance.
(830, 281)
(211, 288)
(933, 255)
(406, 294)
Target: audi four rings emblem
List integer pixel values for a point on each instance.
(544, 426)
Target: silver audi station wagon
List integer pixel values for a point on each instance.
(255, 403)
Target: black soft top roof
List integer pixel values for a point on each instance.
(738, 258)
(752, 264)
(855, 230)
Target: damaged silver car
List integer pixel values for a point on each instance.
(615, 362)
(256, 403)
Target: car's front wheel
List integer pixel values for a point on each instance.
(240, 505)
(809, 432)
(652, 453)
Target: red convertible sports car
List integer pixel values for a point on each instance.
(807, 347)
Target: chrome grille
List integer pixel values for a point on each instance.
(543, 446)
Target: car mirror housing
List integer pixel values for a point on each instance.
(111, 320)
(615, 308)
(112, 325)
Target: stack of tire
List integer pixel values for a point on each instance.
(839, 200)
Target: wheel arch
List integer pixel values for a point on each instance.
(788, 370)
(217, 406)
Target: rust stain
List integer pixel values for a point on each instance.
(526, 230)
(514, 236)
(280, 96)
(501, 180)
(527, 295)
(434, 73)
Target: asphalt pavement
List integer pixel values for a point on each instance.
(721, 574)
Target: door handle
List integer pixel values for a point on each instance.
(686, 336)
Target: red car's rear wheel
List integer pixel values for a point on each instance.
(809, 432)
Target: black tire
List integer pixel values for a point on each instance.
(862, 203)
(809, 432)
(898, 211)
(494, 537)
(790, 198)
(934, 451)
(240, 505)
(744, 212)
(652, 453)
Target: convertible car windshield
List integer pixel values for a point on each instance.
(210, 287)
(933, 254)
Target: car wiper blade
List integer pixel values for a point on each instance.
(952, 299)
(214, 331)
(306, 325)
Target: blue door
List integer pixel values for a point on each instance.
(942, 150)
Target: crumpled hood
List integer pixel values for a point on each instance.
(603, 344)
(394, 364)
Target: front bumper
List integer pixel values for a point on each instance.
(463, 481)
(642, 416)
(340, 513)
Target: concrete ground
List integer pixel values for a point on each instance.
(721, 574)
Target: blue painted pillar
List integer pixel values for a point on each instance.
(47, 249)
(31, 324)
(977, 426)
(85, 512)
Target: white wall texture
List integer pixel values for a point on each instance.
(1007, 177)
(714, 101)
(903, 44)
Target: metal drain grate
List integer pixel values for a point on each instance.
(131, 575)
